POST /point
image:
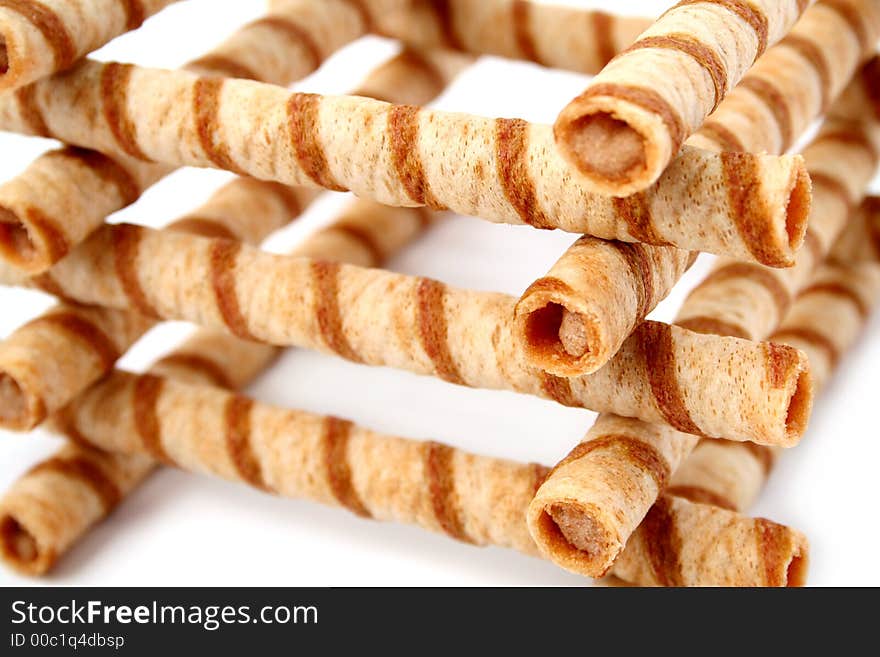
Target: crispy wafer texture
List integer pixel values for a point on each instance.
(503, 170)
(661, 373)
(555, 36)
(64, 195)
(40, 37)
(470, 498)
(626, 128)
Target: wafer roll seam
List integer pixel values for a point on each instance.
(502, 170)
(38, 38)
(475, 499)
(626, 128)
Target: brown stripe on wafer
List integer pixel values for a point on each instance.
(649, 100)
(444, 14)
(226, 67)
(749, 13)
(364, 12)
(34, 221)
(776, 102)
(816, 56)
(403, 139)
(539, 475)
(47, 283)
(362, 237)
(147, 389)
(325, 279)
(237, 417)
(701, 495)
(839, 290)
(294, 33)
(206, 108)
(810, 336)
(29, 109)
(644, 456)
(638, 261)
(602, 25)
(106, 168)
(126, 244)
(772, 540)
(870, 73)
(780, 358)
(114, 94)
(50, 25)
(511, 155)
(303, 120)
(558, 388)
(433, 329)
(854, 18)
(135, 13)
(852, 137)
(726, 139)
(520, 11)
(97, 341)
(86, 472)
(428, 71)
(203, 365)
(742, 182)
(335, 445)
(655, 341)
(205, 227)
(713, 326)
(636, 212)
(64, 422)
(834, 186)
(663, 543)
(441, 487)
(762, 454)
(813, 245)
(223, 257)
(284, 193)
(707, 58)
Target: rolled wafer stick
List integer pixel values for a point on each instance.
(824, 322)
(40, 37)
(476, 499)
(571, 38)
(47, 362)
(502, 170)
(704, 384)
(626, 128)
(65, 194)
(585, 512)
(571, 320)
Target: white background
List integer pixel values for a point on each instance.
(179, 529)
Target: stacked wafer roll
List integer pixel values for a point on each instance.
(573, 319)
(624, 130)
(661, 374)
(40, 37)
(64, 195)
(502, 170)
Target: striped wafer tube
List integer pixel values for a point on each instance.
(47, 362)
(503, 170)
(626, 128)
(706, 384)
(64, 195)
(860, 241)
(55, 503)
(825, 321)
(40, 37)
(556, 36)
(585, 512)
(571, 320)
(471, 498)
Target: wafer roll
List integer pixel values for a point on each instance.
(574, 319)
(38, 38)
(476, 499)
(661, 374)
(502, 170)
(64, 195)
(629, 124)
(860, 242)
(47, 362)
(555, 36)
